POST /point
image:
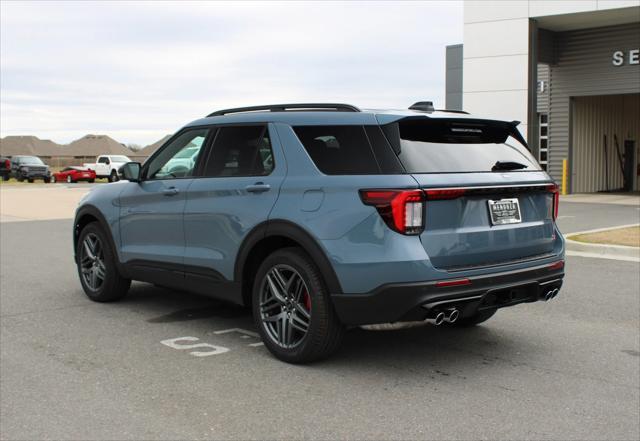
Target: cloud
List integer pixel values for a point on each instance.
(142, 69)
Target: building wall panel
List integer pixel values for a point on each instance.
(584, 68)
(496, 38)
(541, 8)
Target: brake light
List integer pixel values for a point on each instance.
(553, 189)
(444, 193)
(402, 210)
(7, 164)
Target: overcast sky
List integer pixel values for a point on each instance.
(137, 71)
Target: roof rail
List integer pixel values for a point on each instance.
(452, 111)
(286, 107)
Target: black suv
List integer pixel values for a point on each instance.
(29, 168)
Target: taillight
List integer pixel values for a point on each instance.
(553, 189)
(7, 164)
(444, 193)
(402, 210)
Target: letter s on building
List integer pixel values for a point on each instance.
(618, 58)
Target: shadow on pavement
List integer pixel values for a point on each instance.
(442, 351)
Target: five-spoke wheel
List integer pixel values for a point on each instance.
(292, 308)
(97, 268)
(285, 306)
(92, 262)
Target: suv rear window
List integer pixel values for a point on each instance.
(339, 150)
(449, 147)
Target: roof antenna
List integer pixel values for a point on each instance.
(423, 106)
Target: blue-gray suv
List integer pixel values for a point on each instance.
(323, 216)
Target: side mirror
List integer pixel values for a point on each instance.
(130, 171)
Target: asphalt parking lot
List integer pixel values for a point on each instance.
(169, 365)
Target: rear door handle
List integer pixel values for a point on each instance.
(171, 191)
(258, 187)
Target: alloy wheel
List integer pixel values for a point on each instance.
(285, 306)
(92, 264)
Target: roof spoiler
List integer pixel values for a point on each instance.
(448, 130)
(515, 134)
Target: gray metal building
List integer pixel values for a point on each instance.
(585, 109)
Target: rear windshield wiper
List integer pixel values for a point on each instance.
(507, 165)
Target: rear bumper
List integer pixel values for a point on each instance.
(416, 301)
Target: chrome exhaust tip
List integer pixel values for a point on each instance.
(453, 315)
(437, 320)
(555, 293)
(548, 296)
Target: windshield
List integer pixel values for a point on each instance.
(30, 160)
(120, 159)
(437, 147)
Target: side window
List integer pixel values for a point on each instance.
(338, 150)
(179, 158)
(241, 151)
(103, 160)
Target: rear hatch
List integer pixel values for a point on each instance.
(487, 200)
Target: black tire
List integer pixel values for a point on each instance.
(475, 319)
(325, 332)
(47, 180)
(114, 286)
(113, 177)
(30, 181)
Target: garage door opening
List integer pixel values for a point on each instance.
(605, 134)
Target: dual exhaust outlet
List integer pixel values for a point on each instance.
(448, 315)
(551, 294)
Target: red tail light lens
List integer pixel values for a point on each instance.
(402, 210)
(7, 164)
(444, 193)
(553, 189)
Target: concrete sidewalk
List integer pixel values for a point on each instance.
(53, 201)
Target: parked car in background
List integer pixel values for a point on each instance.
(74, 174)
(5, 168)
(323, 216)
(29, 168)
(107, 166)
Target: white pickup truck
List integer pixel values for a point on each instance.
(106, 166)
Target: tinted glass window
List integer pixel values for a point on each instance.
(30, 160)
(103, 160)
(172, 161)
(339, 150)
(240, 151)
(435, 148)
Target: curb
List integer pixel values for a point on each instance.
(603, 250)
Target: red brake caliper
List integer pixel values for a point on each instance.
(307, 301)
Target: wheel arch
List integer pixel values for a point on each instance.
(270, 236)
(86, 215)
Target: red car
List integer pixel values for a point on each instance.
(74, 174)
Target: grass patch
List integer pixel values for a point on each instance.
(629, 237)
